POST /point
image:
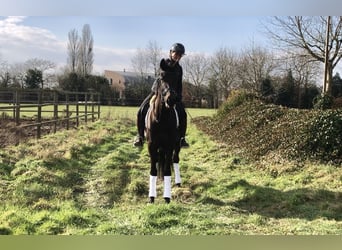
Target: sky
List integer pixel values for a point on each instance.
(39, 28)
(117, 38)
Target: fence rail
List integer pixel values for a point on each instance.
(63, 106)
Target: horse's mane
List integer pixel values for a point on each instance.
(154, 111)
(156, 104)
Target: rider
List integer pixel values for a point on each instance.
(171, 72)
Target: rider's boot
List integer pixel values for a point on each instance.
(184, 143)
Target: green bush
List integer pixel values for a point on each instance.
(324, 135)
(235, 99)
(275, 133)
(323, 102)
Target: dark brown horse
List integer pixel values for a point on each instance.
(163, 139)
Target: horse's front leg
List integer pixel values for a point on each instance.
(153, 173)
(167, 177)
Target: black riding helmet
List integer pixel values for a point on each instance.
(178, 48)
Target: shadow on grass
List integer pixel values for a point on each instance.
(300, 203)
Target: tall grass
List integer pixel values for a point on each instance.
(91, 181)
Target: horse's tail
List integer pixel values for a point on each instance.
(161, 164)
(160, 171)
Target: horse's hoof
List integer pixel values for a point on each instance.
(167, 200)
(178, 185)
(151, 200)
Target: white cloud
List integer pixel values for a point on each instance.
(19, 42)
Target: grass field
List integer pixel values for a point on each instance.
(91, 181)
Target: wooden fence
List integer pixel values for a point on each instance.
(48, 107)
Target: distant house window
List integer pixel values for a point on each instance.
(111, 81)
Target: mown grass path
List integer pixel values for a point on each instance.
(92, 181)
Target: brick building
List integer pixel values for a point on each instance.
(119, 80)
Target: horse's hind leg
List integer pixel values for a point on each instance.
(176, 166)
(167, 189)
(178, 179)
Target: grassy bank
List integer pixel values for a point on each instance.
(92, 181)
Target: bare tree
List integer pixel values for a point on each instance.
(147, 59)
(255, 65)
(223, 70)
(5, 77)
(153, 55)
(18, 73)
(196, 71)
(40, 64)
(86, 51)
(73, 49)
(300, 34)
(139, 62)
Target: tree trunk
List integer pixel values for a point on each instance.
(328, 83)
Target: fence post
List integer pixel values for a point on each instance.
(55, 110)
(17, 107)
(92, 107)
(77, 111)
(39, 113)
(98, 106)
(86, 107)
(67, 110)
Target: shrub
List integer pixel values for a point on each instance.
(324, 135)
(323, 102)
(235, 99)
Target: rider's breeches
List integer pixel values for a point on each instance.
(182, 119)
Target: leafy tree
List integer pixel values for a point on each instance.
(286, 92)
(309, 94)
(336, 86)
(71, 82)
(33, 79)
(266, 88)
(100, 85)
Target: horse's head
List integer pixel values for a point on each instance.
(165, 97)
(168, 95)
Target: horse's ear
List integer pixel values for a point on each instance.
(163, 64)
